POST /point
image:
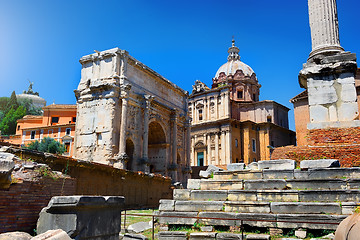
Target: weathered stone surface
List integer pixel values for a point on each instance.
(309, 221)
(329, 196)
(247, 207)
(278, 174)
(139, 227)
(207, 228)
(354, 183)
(319, 163)
(229, 236)
(181, 194)
(172, 235)
(242, 195)
(327, 173)
(15, 236)
(253, 166)
(83, 216)
(209, 195)
(7, 165)
(300, 233)
(203, 235)
(257, 219)
(235, 166)
(316, 184)
(166, 205)
(245, 174)
(193, 206)
(278, 195)
(264, 184)
(218, 218)
(280, 164)
(177, 218)
(57, 234)
(257, 237)
(209, 171)
(129, 236)
(305, 207)
(204, 174)
(193, 184)
(221, 184)
(348, 208)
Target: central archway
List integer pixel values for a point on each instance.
(157, 148)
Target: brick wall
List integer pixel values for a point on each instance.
(335, 143)
(21, 204)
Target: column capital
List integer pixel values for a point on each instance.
(125, 89)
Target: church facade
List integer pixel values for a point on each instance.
(229, 123)
(131, 117)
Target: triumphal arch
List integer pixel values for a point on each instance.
(131, 117)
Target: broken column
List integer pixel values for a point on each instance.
(328, 75)
(83, 217)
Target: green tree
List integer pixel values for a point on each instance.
(47, 144)
(12, 103)
(8, 123)
(30, 108)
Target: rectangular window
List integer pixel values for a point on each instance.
(18, 128)
(268, 119)
(54, 119)
(236, 143)
(200, 115)
(33, 134)
(200, 158)
(68, 131)
(254, 145)
(74, 119)
(67, 147)
(240, 94)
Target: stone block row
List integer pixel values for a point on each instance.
(259, 207)
(268, 195)
(175, 235)
(308, 221)
(316, 173)
(268, 184)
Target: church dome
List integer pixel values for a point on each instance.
(234, 64)
(36, 100)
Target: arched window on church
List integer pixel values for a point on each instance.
(200, 114)
(240, 94)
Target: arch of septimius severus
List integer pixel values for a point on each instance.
(131, 117)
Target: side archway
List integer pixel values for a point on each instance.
(157, 148)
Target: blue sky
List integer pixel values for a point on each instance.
(43, 40)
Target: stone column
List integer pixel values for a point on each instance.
(226, 102)
(324, 27)
(193, 151)
(174, 146)
(223, 148)
(187, 143)
(328, 74)
(228, 147)
(148, 99)
(208, 142)
(216, 148)
(122, 156)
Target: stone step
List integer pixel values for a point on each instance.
(259, 207)
(316, 173)
(268, 195)
(268, 184)
(308, 221)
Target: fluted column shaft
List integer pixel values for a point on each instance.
(324, 26)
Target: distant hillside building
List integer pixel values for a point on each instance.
(58, 122)
(32, 96)
(229, 123)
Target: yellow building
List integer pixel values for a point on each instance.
(229, 123)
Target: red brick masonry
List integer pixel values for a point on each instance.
(336, 143)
